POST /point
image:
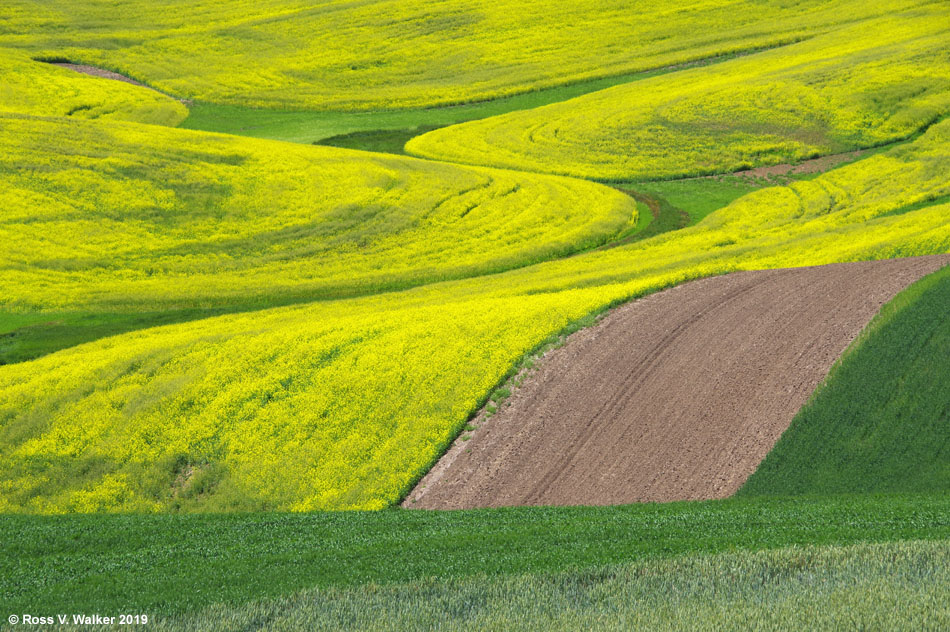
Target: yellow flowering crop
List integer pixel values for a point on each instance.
(856, 86)
(385, 296)
(32, 87)
(385, 54)
(136, 216)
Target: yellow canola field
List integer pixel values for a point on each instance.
(391, 54)
(32, 87)
(857, 86)
(145, 217)
(342, 404)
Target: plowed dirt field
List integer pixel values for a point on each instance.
(675, 396)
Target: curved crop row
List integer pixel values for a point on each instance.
(32, 87)
(856, 86)
(343, 404)
(139, 217)
(340, 54)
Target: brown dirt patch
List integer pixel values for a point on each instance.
(98, 72)
(783, 173)
(815, 165)
(676, 396)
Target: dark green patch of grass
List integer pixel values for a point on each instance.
(179, 563)
(881, 421)
(664, 217)
(387, 141)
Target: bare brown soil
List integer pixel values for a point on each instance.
(782, 173)
(815, 165)
(675, 396)
(98, 72)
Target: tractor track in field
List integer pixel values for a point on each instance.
(676, 396)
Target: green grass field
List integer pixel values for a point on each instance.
(174, 564)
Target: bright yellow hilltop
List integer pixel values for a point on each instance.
(858, 86)
(341, 54)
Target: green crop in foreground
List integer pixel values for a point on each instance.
(881, 421)
(892, 586)
(390, 54)
(345, 403)
(857, 86)
(181, 563)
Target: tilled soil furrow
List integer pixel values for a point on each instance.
(634, 379)
(672, 397)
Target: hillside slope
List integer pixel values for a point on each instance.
(857, 86)
(38, 89)
(384, 54)
(119, 216)
(881, 422)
